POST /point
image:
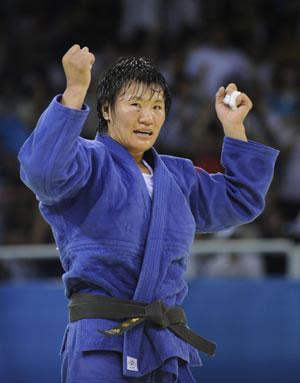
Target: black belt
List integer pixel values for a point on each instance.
(98, 306)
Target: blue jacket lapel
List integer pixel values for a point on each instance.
(150, 273)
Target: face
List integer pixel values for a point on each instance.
(137, 117)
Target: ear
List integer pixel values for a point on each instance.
(106, 112)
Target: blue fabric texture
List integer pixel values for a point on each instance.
(106, 366)
(113, 240)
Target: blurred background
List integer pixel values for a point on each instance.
(244, 283)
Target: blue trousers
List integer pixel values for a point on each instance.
(106, 367)
(100, 366)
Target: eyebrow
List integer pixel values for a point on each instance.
(141, 98)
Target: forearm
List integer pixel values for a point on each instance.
(220, 201)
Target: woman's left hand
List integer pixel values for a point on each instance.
(232, 120)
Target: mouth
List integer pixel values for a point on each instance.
(143, 133)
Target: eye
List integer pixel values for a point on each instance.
(136, 104)
(157, 107)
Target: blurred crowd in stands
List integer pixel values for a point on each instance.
(199, 45)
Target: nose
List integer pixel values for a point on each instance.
(146, 117)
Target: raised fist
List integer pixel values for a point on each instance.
(232, 119)
(77, 64)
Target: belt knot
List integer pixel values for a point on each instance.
(156, 312)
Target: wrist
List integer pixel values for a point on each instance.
(238, 133)
(73, 97)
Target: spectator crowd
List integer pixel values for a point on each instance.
(199, 45)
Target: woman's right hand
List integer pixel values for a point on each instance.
(77, 64)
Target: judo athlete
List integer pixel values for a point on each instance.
(124, 218)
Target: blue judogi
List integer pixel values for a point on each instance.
(113, 240)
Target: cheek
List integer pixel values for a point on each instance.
(124, 120)
(160, 120)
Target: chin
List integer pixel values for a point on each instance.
(143, 146)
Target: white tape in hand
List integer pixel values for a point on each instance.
(230, 99)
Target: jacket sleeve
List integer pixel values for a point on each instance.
(220, 201)
(55, 162)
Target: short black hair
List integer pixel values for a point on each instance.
(122, 73)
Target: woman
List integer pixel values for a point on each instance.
(124, 218)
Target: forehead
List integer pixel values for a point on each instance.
(141, 91)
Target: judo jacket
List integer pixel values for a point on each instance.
(114, 240)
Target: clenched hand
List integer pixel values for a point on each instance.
(232, 120)
(77, 64)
